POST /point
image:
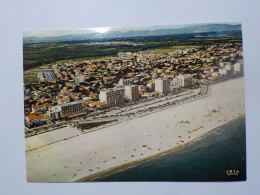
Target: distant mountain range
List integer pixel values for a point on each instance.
(203, 28)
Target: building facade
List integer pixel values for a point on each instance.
(185, 80)
(49, 74)
(131, 92)
(71, 108)
(113, 97)
(55, 112)
(162, 85)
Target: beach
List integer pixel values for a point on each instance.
(206, 159)
(85, 156)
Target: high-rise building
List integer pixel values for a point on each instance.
(162, 85)
(49, 74)
(185, 80)
(131, 92)
(113, 96)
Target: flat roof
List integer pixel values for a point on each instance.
(74, 115)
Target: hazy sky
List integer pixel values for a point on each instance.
(53, 33)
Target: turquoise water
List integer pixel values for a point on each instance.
(207, 159)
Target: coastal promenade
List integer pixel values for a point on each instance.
(135, 141)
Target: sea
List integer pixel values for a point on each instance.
(219, 156)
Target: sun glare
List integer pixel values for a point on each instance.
(101, 29)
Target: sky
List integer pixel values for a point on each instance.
(53, 33)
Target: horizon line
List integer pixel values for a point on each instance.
(104, 30)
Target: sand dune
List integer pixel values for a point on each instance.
(137, 139)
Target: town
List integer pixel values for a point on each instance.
(120, 86)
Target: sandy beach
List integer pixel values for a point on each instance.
(134, 141)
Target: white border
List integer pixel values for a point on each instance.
(17, 16)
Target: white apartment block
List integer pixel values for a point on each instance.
(131, 92)
(113, 97)
(162, 85)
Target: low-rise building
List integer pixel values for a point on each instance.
(42, 107)
(146, 95)
(44, 118)
(101, 105)
(151, 86)
(79, 79)
(63, 100)
(55, 112)
(31, 120)
(123, 82)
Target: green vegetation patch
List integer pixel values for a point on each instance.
(31, 78)
(172, 48)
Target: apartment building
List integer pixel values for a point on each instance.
(49, 74)
(71, 108)
(162, 85)
(113, 97)
(131, 92)
(185, 80)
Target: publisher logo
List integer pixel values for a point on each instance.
(232, 172)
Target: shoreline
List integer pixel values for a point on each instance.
(139, 162)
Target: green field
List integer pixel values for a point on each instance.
(41, 54)
(172, 48)
(31, 78)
